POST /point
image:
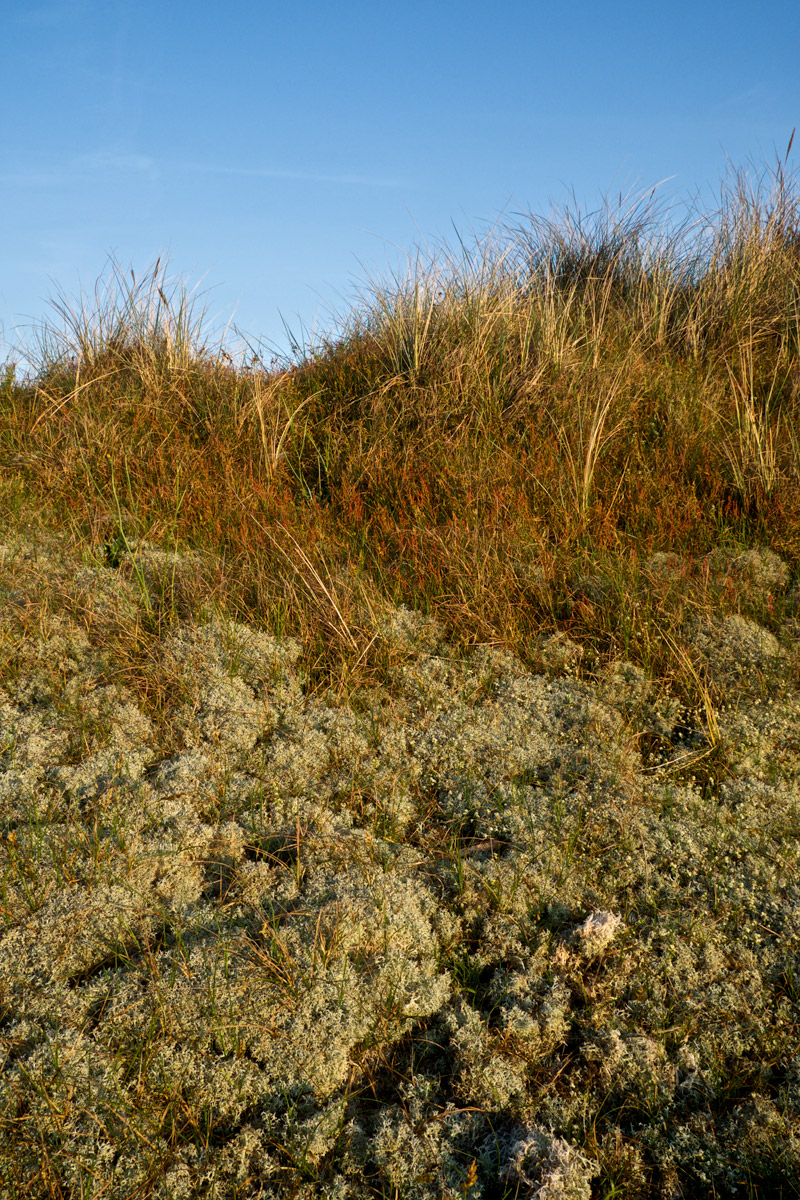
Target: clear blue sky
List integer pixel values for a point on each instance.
(277, 151)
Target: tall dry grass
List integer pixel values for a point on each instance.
(556, 400)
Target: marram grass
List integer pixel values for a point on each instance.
(399, 746)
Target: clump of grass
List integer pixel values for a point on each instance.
(398, 743)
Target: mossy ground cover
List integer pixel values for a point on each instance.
(399, 745)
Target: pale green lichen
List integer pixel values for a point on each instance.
(549, 1168)
(418, 945)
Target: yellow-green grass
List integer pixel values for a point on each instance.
(399, 743)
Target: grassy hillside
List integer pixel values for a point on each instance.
(399, 745)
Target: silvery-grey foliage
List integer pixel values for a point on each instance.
(243, 912)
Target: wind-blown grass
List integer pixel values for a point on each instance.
(399, 744)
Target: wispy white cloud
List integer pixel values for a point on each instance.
(24, 178)
(758, 98)
(119, 162)
(95, 162)
(49, 16)
(105, 160)
(376, 181)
